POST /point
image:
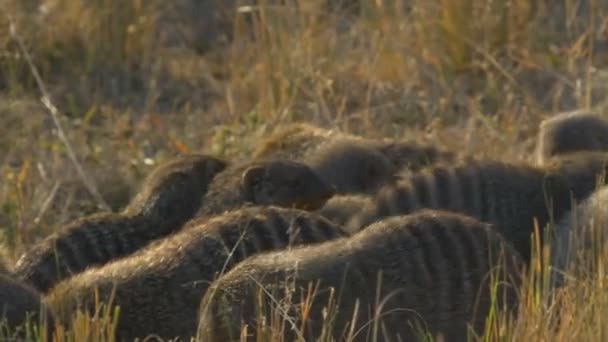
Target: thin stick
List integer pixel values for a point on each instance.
(46, 101)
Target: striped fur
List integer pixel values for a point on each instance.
(160, 287)
(571, 132)
(434, 265)
(341, 209)
(508, 195)
(413, 156)
(352, 164)
(170, 196)
(21, 304)
(174, 191)
(278, 182)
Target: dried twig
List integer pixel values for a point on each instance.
(53, 111)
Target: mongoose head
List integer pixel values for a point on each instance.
(174, 191)
(284, 183)
(352, 166)
(571, 132)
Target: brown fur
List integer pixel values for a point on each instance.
(341, 209)
(174, 190)
(351, 163)
(278, 182)
(434, 271)
(571, 132)
(294, 141)
(159, 288)
(170, 196)
(508, 195)
(352, 166)
(20, 304)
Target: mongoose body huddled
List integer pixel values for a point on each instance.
(511, 196)
(174, 191)
(278, 182)
(353, 164)
(571, 132)
(170, 196)
(430, 268)
(159, 288)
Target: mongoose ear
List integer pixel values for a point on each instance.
(251, 176)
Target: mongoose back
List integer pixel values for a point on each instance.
(278, 182)
(353, 164)
(341, 209)
(508, 195)
(408, 155)
(349, 163)
(294, 141)
(159, 288)
(21, 304)
(430, 268)
(170, 196)
(571, 132)
(579, 233)
(173, 192)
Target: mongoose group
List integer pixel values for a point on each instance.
(399, 236)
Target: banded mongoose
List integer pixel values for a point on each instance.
(341, 209)
(579, 237)
(353, 164)
(352, 167)
(294, 141)
(169, 197)
(430, 268)
(159, 288)
(571, 132)
(278, 182)
(508, 195)
(408, 155)
(21, 305)
(174, 191)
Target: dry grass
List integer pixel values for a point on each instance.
(137, 82)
